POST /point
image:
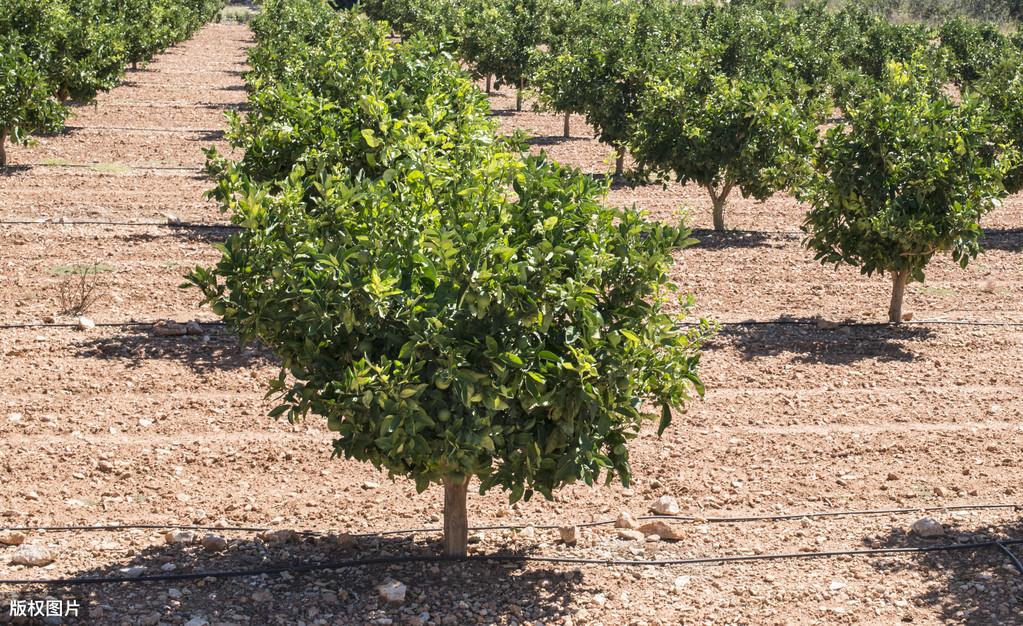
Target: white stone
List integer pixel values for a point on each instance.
(626, 520)
(132, 572)
(392, 591)
(180, 537)
(197, 621)
(85, 323)
(32, 556)
(665, 505)
(569, 534)
(681, 582)
(214, 543)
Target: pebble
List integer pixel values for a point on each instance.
(626, 520)
(261, 595)
(277, 536)
(105, 466)
(665, 505)
(681, 582)
(662, 530)
(837, 585)
(569, 535)
(369, 484)
(174, 594)
(132, 572)
(85, 323)
(167, 328)
(197, 621)
(180, 537)
(629, 534)
(32, 556)
(193, 328)
(11, 538)
(214, 543)
(392, 591)
(420, 620)
(928, 527)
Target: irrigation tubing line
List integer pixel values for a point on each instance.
(1012, 557)
(703, 232)
(117, 166)
(676, 518)
(149, 130)
(514, 558)
(167, 224)
(723, 324)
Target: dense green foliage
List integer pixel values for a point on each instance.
(453, 307)
(59, 50)
(1002, 88)
(973, 49)
(908, 176)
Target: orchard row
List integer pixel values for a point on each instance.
(60, 50)
(445, 327)
(926, 123)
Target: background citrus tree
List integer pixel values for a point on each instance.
(907, 177)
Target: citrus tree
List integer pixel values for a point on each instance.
(907, 177)
(1002, 89)
(698, 125)
(602, 61)
(972, 48)
(27, 103)
(453, 309)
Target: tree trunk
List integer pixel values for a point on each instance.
(488, 85)
(718, 200)
(518, 95)
(568, 123)
(899, 280)
(3, 148)
(620, 163)
(719, 212)
(456, 520)
(134, 65)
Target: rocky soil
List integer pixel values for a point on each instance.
(126, 425)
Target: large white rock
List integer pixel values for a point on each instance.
(32, 556)
(665, 505)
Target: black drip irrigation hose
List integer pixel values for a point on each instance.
(722, 324)
(128, 166)
(1012, 557)
(166, 224)
(675, 518)
(513, 558)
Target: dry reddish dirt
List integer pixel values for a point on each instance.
(114, 425)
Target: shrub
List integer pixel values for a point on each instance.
(908, 176)
(453, 309)
(722, 133)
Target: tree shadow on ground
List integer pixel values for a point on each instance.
(1005, 239)
(970, 586)
(235, 88)
(208, 135)
(462, 591)
(808, 343)
(726, 239)
(552, 140)
(186, 232)
(215, 350)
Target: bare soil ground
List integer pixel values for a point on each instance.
(115, 425)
